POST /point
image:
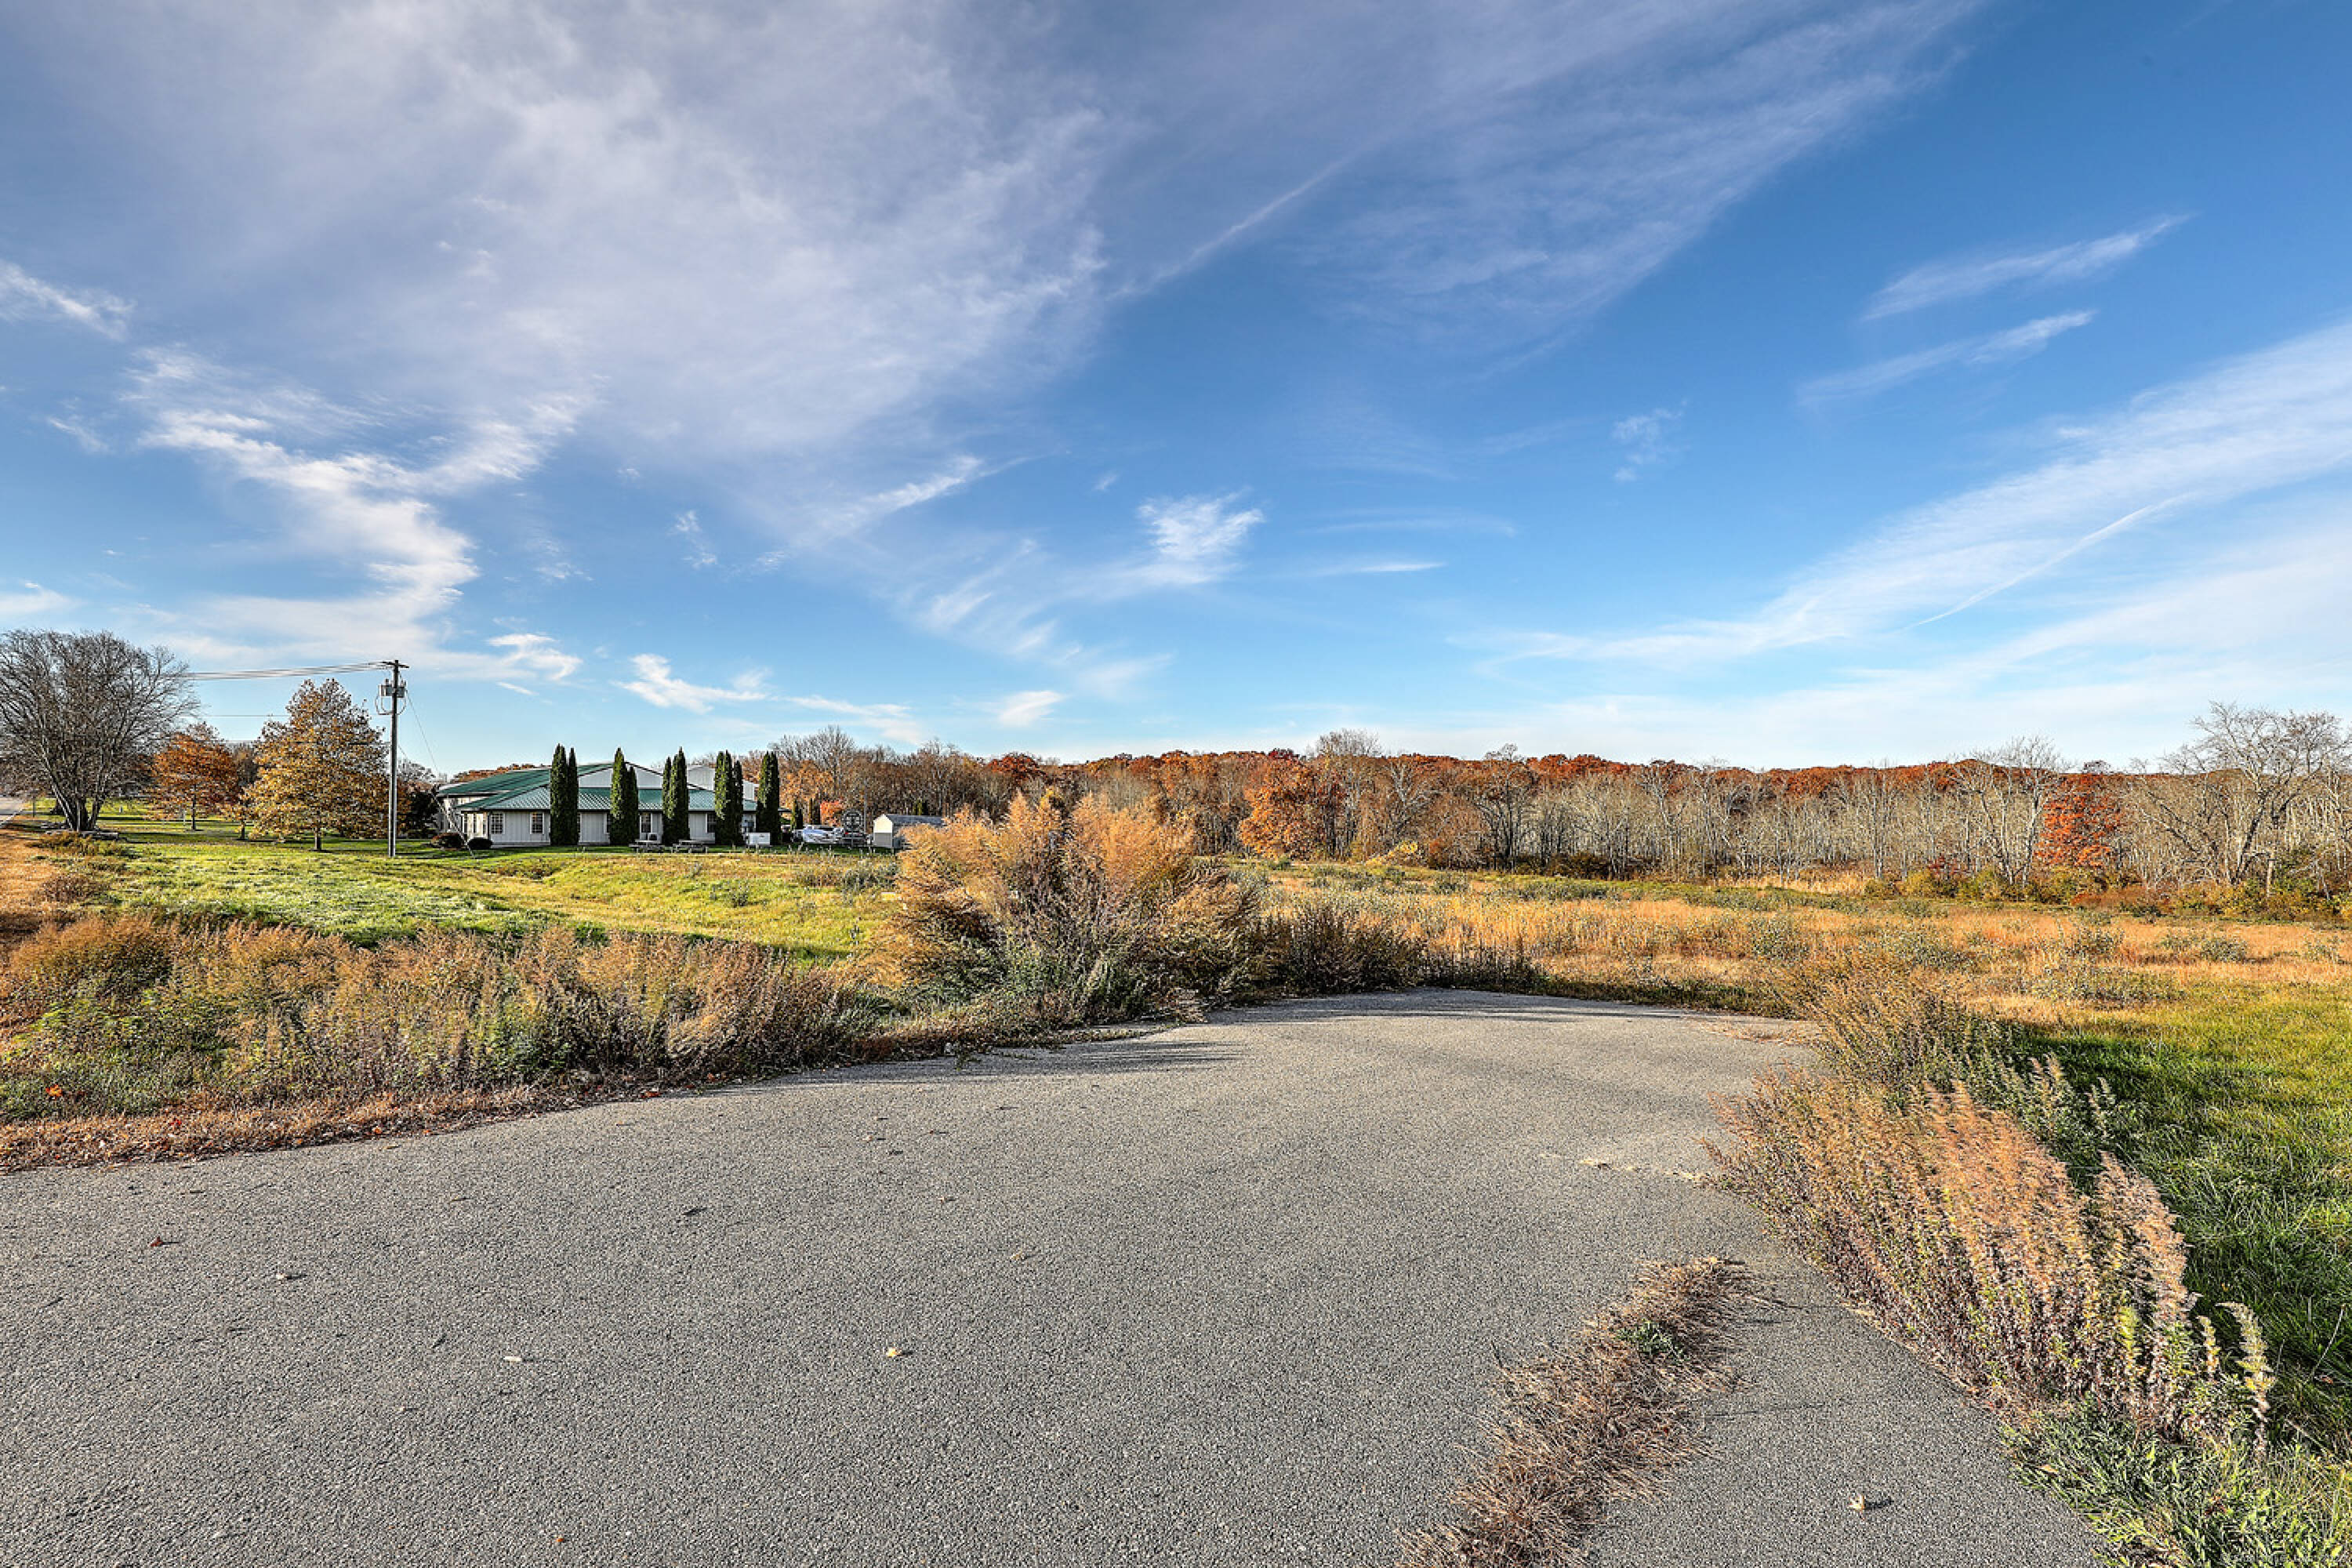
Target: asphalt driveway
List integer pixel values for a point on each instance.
(1224, 1294)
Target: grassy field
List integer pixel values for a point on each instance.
(815, 904)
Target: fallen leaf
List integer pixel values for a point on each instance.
(1860, 1504)
(894, 1351)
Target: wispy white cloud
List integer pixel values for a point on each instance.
(348, 505)
(958, 473)
(1009, 596)
(538, 653)
(2006, 347)
(891, 721)
(1558, 156)
(1644, 441)
(605, 207)
(1193, 538)
(87, 439)
(699, 553)
(2237, 431)
(1380, 520)
(29, 601)
(818, 282)
(655, 684)
(1024, 709)
(23, 297)
(1966, 276)
(1375, 568)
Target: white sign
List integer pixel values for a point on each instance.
(756, 841)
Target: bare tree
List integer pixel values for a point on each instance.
(1351, 758)
(2004, 795)
(1871, 791)
(1504, 792)
(82, 712)
(1411, 784)
(2235, 788)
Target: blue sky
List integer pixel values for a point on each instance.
(1785, 382)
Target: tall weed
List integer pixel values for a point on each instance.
(1972, 1243)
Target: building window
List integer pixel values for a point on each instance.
(645, 824)
(538, 824)
(497, 823)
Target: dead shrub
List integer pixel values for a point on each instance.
(1059, 916)
(1328, 949)
(71, 886)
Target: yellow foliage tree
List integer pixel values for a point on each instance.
(323, 768)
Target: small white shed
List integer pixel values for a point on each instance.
(889, 829)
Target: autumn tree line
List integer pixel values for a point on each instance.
(2254, 799)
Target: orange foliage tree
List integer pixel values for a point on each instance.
(196, 767)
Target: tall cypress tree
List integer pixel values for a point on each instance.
(572, 788)
(562, 801)
(621, 806)
(726, 802)
(768, 813)
(677, 825)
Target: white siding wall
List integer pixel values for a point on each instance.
(515, 828)
(506, 828)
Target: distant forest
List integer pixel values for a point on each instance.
(2256, 799)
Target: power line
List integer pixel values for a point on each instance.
(286, 674)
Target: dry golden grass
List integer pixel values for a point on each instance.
(1595, 1421)
(206, 1126)
(2042, 966)
(124, 1014)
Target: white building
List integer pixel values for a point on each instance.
(513, 809)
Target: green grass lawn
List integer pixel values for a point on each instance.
(2246, 1092)
(814, 904)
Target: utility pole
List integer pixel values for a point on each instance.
(388, 699)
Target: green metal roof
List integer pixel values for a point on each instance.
(496, 783)
(532, 796)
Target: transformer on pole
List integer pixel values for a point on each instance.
(388, 699)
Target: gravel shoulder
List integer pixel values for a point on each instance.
(1224, 1294)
